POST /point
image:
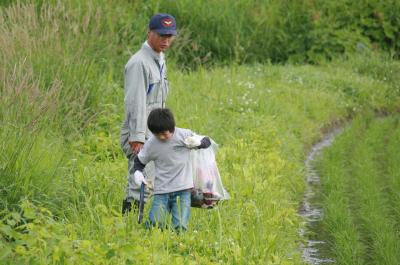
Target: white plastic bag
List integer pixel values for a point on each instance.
(208, 189)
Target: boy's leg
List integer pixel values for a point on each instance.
(180, 208)
(158, 211)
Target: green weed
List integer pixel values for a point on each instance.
(62, 173)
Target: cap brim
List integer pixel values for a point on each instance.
(166, 31)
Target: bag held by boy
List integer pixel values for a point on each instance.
(208, 189)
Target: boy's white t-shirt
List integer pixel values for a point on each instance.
(173, 169)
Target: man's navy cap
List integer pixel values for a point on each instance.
(163, 24)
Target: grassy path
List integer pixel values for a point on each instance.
(315, 249)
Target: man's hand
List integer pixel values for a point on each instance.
(136, 146)
(139, 178)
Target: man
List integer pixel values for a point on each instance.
(146, 88)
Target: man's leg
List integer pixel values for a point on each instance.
(128, 205)
(159, 211)
(180, 208)
(126, 148)
(133, 190)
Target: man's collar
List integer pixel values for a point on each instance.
(155, 55)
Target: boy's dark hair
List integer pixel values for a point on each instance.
(161, 120)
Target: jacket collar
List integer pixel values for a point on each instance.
(157, 56)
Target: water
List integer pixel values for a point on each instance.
(315, 249)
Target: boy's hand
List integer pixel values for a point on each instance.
(193, 141)
(139, 178)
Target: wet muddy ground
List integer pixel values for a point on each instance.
(315, 249)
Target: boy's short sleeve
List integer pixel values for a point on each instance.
(145, 154)
(187, 133)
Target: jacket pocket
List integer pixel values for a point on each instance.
(150, 88)
(153, 90)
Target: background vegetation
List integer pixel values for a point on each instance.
(222, 32)
(62, 173)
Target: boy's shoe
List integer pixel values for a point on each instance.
(127, 206)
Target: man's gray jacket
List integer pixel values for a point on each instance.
(146, 88)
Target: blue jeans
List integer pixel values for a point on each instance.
(177, 203)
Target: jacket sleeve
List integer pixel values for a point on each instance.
(136, 82)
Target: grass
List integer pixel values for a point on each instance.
(359, 187)
(62, 170)
(264, 117)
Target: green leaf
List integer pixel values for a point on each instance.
(4, 251)
(6, 229)
(110, 254)
(29, 213)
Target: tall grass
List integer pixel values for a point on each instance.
(281, 31)
(216, 32)
(56, 62)
(61, 106)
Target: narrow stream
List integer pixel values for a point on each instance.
(315, 250)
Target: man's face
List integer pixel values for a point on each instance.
(164, 136)
(159, 43)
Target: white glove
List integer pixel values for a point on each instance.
(193, 141)
(139, 178)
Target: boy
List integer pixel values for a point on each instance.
(173, 172)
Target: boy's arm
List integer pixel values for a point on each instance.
(195, 141)
(138, 167)
(144, 157)
(137, 164)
